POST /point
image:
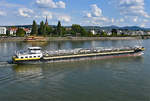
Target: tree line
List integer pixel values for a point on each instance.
(59, 30)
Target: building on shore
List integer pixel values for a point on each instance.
(27, 30)
(126, 32)
(12, 31)
(107, 32)
(3, 30)
(93, 32)
(148, 32)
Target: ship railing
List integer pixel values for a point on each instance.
(22, 52)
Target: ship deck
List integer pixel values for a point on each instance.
(87, 54)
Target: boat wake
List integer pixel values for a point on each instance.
(5, 64)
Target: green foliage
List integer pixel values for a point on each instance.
(84, 32)
(90, 34)
(8, 33)
(49, 30)
(78, 30)
(104, 34)
(75, 30)
(114, 32)
(54, 32)
(41, 29)
(34, 28)
(63, 30)
(44, 29)
(59, 29)
(20, 32)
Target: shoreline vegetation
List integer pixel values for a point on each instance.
(45, 33)
(22, 39)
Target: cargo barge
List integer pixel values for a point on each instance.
(35, 54)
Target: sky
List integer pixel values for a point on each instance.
(83, 12)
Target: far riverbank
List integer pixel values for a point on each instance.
(14, 39)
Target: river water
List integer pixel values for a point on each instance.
(118, 79)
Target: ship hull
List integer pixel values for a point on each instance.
(79, 58)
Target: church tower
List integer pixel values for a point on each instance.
(46, 22)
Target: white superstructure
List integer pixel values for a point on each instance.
(31, 53)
